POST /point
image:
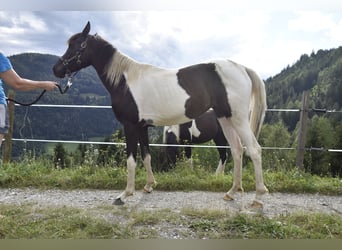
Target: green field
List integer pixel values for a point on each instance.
(49, 147)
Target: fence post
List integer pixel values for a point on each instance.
(7, 152)
(302, 130)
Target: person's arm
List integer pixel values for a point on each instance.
(22, 84)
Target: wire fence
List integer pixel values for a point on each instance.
(169, 145)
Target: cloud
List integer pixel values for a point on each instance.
(327, 25)
(311, 21)
(182, 37)
(325, 28)
(20, 29)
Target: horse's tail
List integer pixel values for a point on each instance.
(258, 105)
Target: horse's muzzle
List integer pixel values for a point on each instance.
(59, 70)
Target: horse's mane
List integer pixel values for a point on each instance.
(121, 64)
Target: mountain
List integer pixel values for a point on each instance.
(61, 123)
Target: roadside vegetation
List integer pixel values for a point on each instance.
(108, 222)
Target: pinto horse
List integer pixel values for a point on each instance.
(200, 130)
(143, 95)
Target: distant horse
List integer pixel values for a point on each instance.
(144, 95)
(200, 130)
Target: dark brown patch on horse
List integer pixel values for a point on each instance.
(206, 90)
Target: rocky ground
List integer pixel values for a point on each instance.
(274, 203)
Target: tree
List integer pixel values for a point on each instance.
(321, 135)
(276, 135)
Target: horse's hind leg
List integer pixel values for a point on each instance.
(145, 152)
(253, 150)
(236, 150)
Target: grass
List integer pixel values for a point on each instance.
(31, 222)
(41, 174)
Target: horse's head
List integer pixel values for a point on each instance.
(77, 55)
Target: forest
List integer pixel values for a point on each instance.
(320, 73)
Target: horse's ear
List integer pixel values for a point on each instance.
(86, 29)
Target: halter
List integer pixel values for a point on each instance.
(76, 57)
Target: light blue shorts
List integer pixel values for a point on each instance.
(4, 121)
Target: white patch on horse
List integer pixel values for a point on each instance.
(194, 131)
(165, 97)
(131, 165)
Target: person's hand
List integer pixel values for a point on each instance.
(50, 85)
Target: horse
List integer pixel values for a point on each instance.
(200, 130)
(143, 95)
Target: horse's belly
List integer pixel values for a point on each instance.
(161, 104)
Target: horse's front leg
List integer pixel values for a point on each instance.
(132, 136)
(145, 153)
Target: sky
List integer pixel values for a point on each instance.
(266, 36)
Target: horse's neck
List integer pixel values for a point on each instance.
(102, 55)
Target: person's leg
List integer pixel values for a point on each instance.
(4, 122)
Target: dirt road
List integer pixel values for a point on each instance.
(274, 203)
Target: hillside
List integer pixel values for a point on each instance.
(320, 72)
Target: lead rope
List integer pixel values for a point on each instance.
(62, 91)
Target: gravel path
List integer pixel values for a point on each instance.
(275, 203)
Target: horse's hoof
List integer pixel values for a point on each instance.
(257, 204)
(227, 197)
(118, 202)
(148, 189)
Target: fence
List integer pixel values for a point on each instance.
(301, 137)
